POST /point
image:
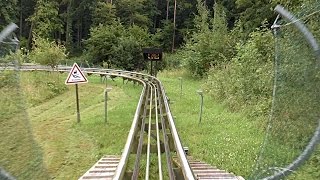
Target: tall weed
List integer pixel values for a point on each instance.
(246, 80)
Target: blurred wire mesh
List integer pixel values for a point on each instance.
(20, 155)
(295, 114)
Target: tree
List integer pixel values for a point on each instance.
(163, 36)
(128, 54)
(47, 52)
(69, 21)
(254, 13)
(174, 25)
(209, 44)
(26, 9)
(103, 41)
(45, 19)
(104, 13)
(8, 12)
(133, 13)
(167, 13)
(119, 47)
(82, 17)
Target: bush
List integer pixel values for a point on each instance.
(117, 46)
(247, 78)
(47, 53)
(173, 61)
(209, 45)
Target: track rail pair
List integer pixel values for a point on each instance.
(152, 126)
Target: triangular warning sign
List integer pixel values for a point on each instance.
(76, 76)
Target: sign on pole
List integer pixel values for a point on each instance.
(152, 54)
(75, 77)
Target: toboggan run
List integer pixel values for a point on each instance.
(152, 134)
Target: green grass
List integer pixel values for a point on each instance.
(70, 149)
(45, 134)
(20, 155)
(227, 139)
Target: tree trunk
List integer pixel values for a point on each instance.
(78, 37)
(79, 33)
(174, 24)
(69, 26)
(20, 28)
(30, 37)
(156, 17)
(168, 3)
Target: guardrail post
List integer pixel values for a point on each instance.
(180, 78)
(200, 92)
(106, 103)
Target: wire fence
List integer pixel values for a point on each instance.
(293, 130)
(20, 155)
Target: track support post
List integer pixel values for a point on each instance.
(106, 103)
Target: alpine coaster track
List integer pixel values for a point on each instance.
(153, 144)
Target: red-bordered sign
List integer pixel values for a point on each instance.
(76, 76)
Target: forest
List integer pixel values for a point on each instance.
(228, 42)
(97, 31)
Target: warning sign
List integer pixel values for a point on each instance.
(75, 76)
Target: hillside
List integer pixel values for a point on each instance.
(226, 139)
(68, 148)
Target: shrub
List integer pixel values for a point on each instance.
(247, 78)
(209, 45)
(117, 46)
(47, 53)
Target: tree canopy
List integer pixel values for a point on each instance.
(85, 27)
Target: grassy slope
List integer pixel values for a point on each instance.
(20, 155)
(69, 148)
(228, 140)
(225, 139)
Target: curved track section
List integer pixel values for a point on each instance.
(153, 149)
(153, 140)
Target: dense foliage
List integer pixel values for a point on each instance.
(247, 79)
(195, 27)
(47, 53)
(118, 46)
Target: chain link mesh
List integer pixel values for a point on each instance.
(20, 155)
(293, 127)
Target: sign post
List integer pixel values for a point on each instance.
(75, 77)
(180, 78)
(78, 108)
(200, 92)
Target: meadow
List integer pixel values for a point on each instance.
(224, 138)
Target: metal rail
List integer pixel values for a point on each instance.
(152, 103)
(149, 135)
(158, 135)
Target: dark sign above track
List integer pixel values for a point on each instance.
(152, 54)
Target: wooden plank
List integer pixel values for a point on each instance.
(103, 169)
(205, 171)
